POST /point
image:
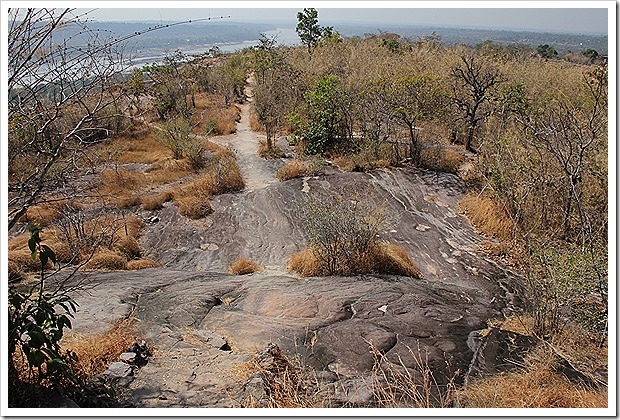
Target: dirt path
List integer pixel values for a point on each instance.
(257, 172)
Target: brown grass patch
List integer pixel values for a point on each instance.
(255, 125)
(392, 259)
(156, 202)
(243, 266)
(538, 385)
(442, 159)
(213, 119)
(142, 263)
(292, 169)
(96, 352)
(107, 260)
(307, 264)
(143, 148)
(167, 170)
(14, 272)
(265, 153)
(344, 163)
(221, 176)
(382, 259)
(21, 258)
(128, 246)
(487, 216)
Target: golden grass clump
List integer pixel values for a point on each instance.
(392, 259)
(537, 385)
(14, 272)
(487, 216)
(156, 202)
(107, 260)
(307, 264)
(221, 176)
(214, 119)
(142, 264)
(292, 169)
(143, 148)
(381, 259)
(96, 352)
(167, 170)
(128, 246)
(243, 266)
(344, 163)
(42, 214)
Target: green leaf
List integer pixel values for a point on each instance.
(34, 255)
(49, 253)
(32, 244)
(35, 358)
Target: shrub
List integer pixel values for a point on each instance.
(128, 246)
(307, 264)
(243, 266)
(194, 207)
(107, 260)
(441, 159)
(156, 202)
(487, 216)
(292, 169)
(142, 264)
(392, 259)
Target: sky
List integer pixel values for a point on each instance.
(588, 17)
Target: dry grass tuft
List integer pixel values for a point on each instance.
(107, 260)
(255, 125)
(382, 259)
(487, 216)
(243, 266)
(538, 385)
(15, 274)
(307, 264)
(221, 176)
(128, 246)
(156, 202)
(42, 214)
(442, 159)
(213, 119)
(142, 264)
(265, 153)
(392, 259)
(344, 163)
(292, 169)
(143, 148)
(96, 352)
(167, 170)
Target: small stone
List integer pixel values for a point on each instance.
(129, 357)
(212, 339)
(422, 228)
(119, 370)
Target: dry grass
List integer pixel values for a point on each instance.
(243, 266)
(293, 169)
(128, 246)
(167, 170)
(442, 159)
(14, 272)
(96, 352)
(255, 125)
(344, 163)
(141, 148)
(221, 176)
(142, 264)
(487, 216)
(107, 260)
(265, 153)
(45, 214)
(392, 259)
(382, 259)
(156, 202)
(213, 119)
(396, 385)
(307, 264)
(538, 385)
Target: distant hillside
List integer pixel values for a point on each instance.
(561, 42)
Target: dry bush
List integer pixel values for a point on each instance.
(396, 385)
(344, 163)
(243, 266)
(442, 159)
(392, 259)
(255, 124)
(381, 259)
(307, 264)
(167, 170)
(15, 274)
(292, 169)
(96, 352)
(135, 149)
(537, 385)
(42, 214)
(222, 175)
(142, 264)
(487, 216)
(128, 246)
(107, 260)
(265, 153)
(156, 202)
(213, 119)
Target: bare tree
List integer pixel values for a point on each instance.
(474, 81)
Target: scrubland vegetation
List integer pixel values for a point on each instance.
(526, 130)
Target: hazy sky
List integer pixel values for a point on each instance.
(553, 17)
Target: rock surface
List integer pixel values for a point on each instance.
(202, 324)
